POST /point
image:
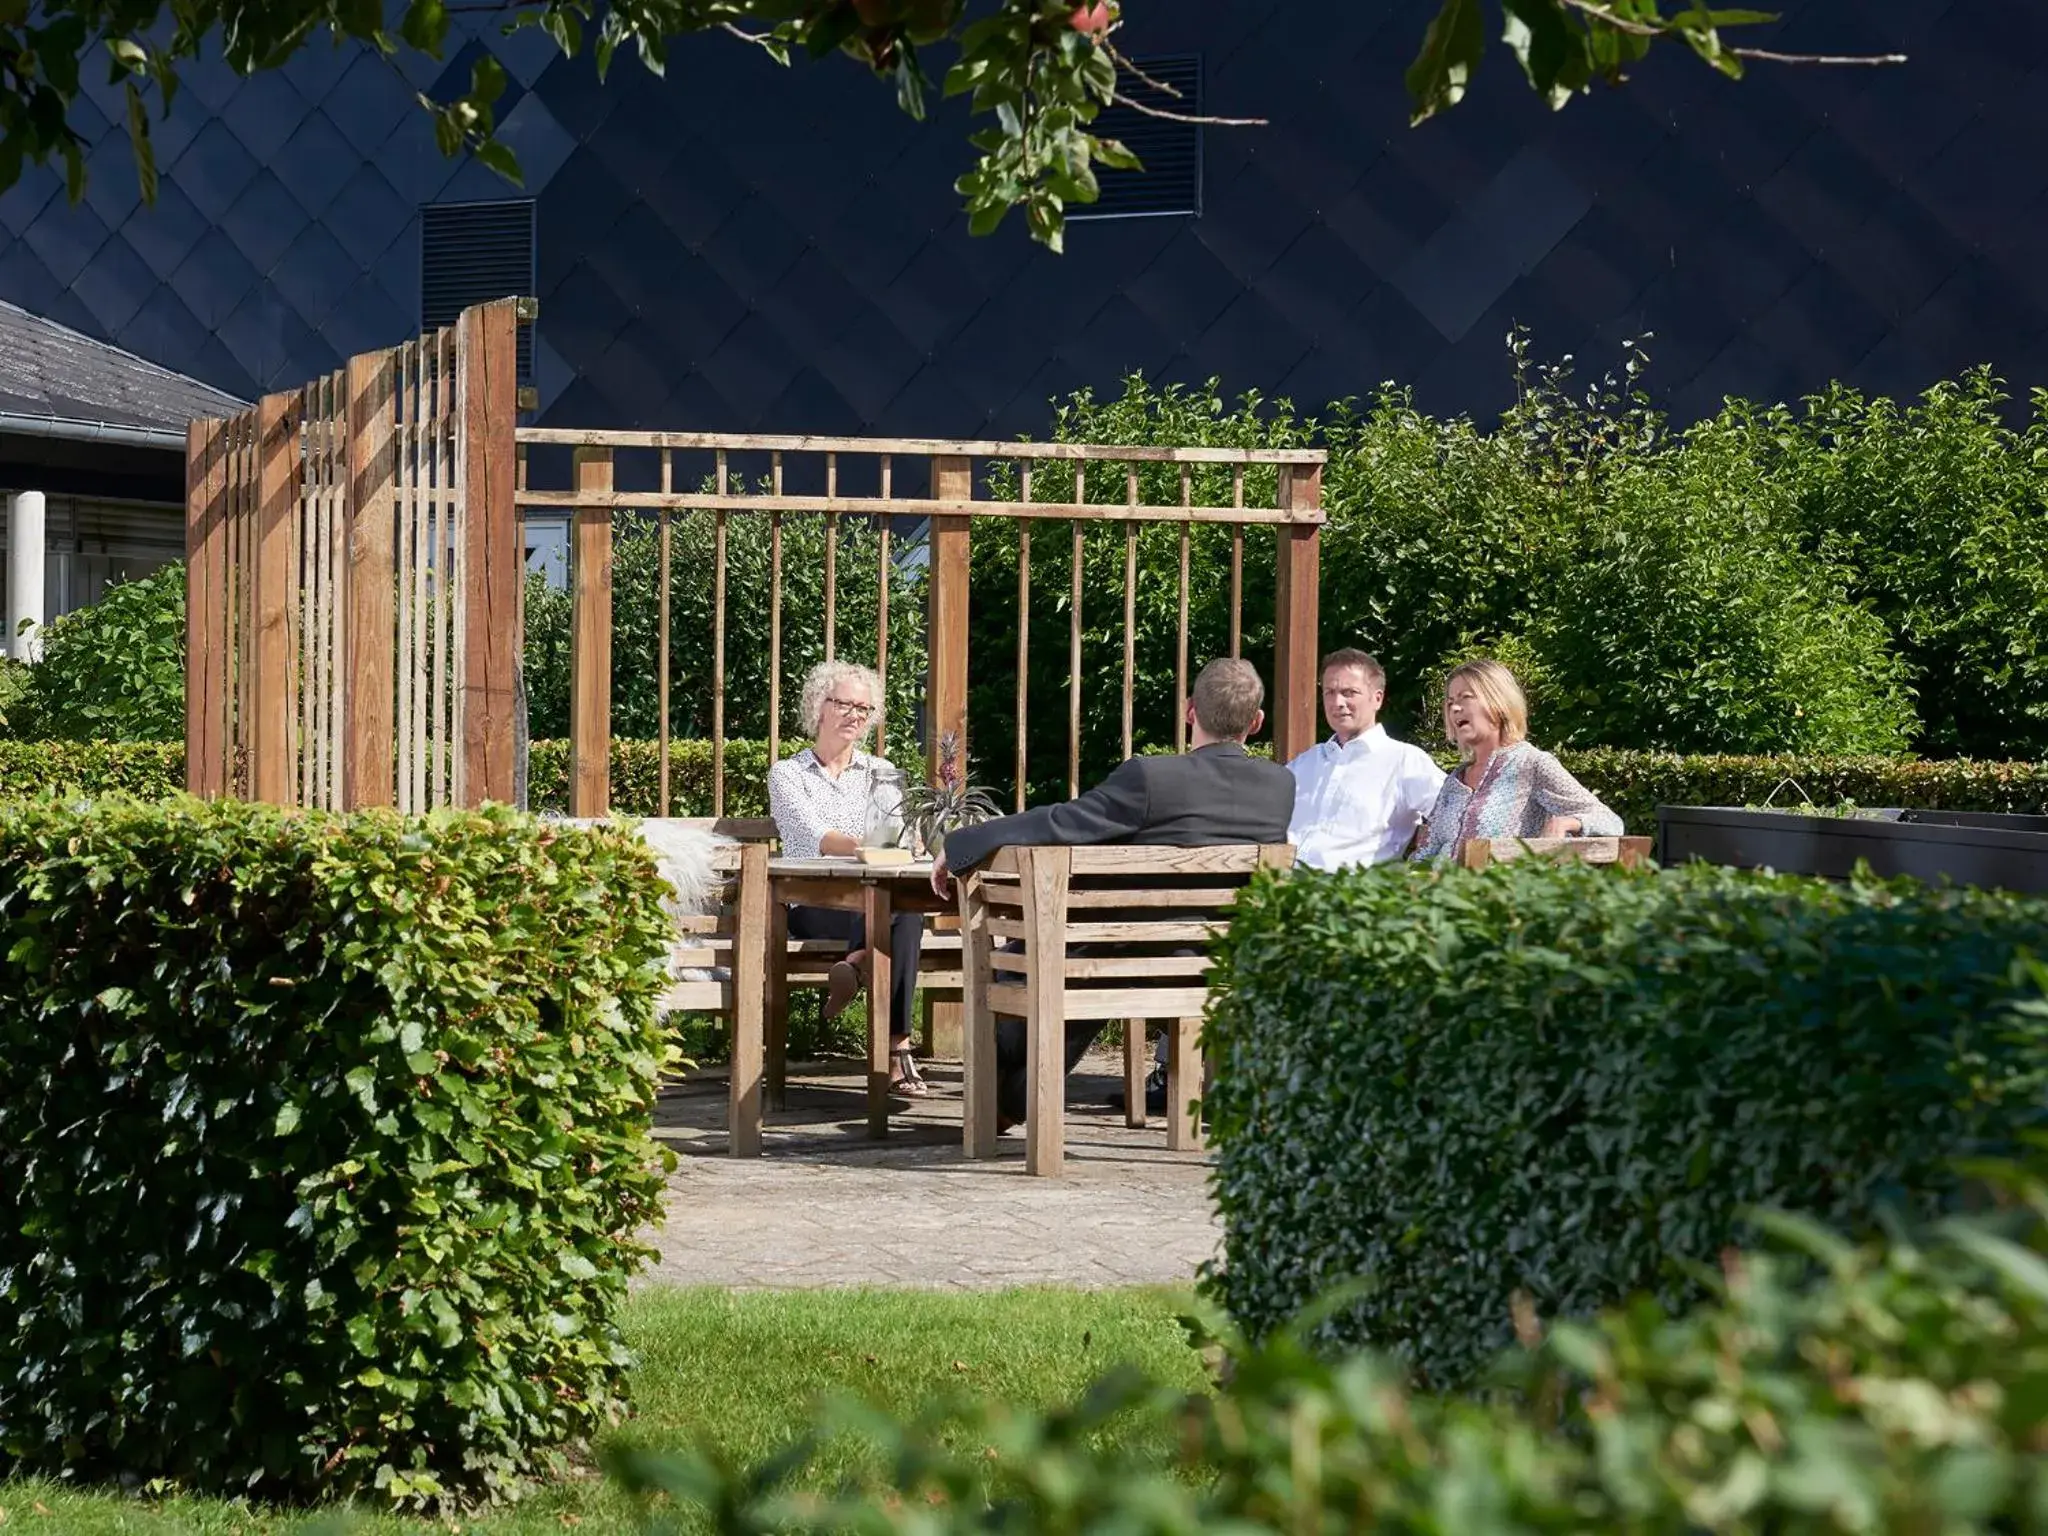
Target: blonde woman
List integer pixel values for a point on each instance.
(1505, 787)
(825, 800)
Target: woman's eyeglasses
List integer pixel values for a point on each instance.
(852, 710)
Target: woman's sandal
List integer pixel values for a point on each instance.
(907, 1080)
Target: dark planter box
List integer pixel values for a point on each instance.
(1965, 847)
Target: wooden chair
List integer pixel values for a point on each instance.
(729, 943)
(1145, 918)
(1628, 852)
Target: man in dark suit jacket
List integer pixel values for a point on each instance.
(1216, 793)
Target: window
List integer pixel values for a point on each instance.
(1171, 182)
(471, 253)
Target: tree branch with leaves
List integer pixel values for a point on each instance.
(1037, 73)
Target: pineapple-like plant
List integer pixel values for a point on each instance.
(930, 811)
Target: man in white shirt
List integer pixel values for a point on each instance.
(1360, 795)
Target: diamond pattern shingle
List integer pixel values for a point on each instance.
(736, 245)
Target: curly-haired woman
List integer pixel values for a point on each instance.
(825, 800)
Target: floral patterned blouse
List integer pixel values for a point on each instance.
(1522, 788)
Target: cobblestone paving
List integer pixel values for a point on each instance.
(824, 1206)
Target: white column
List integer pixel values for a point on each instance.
(26, 573)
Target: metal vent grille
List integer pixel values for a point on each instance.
(1171, 182)
(472, 253)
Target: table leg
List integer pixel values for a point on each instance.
(777, 1011)
(879, 916)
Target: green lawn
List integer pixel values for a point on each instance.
(740, 1370)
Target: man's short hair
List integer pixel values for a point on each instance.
(1227, 698)
(1365, 661)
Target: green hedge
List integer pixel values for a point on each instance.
(1633, 783)
(323, 1142)
(1572, 1081)
(1901, 1394)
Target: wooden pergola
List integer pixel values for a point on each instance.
(355, 565)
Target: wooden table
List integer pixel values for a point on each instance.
(879, 892)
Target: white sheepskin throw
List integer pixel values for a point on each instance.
(682, 855)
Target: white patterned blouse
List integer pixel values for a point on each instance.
(1522, 788)
(807, 802)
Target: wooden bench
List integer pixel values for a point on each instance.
(1628, 852)
(1142, 919)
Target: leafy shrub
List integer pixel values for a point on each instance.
(1689, 618)
(115, 671)
(636, 777)
(323, 1142)
(17, 699)
(148, 770)
(1941, 511)
(1571, 1081)
(1901, 1394)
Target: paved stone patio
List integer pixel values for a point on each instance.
(824, 1206)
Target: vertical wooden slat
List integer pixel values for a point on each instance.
(1130, 604)
(305, 541)
(590, 644)
(1023, 634)
(775, 617)
(372, 570)
(946, 632)
(1237, 567)
(420, 454)
(1180, 666)
(885, 574)
(832, 551)
(402, 482)
(666, 597)
(206, 610)
(1295, 618)
(718, 649)
(274, 752)
(1074, 639)
(749, 1002)
(241, 578)
(446, 593)
(1044, 874)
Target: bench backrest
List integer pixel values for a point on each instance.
(1104, 932)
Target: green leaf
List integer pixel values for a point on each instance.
(287, 1120)
(1451, 49)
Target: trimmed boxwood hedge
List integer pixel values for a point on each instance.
(1572, 1081)
(324, 1142)
(1633, 783)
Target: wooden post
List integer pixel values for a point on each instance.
(1044, 873)
(590, 643)
(749, 1002)
(1134, 1073)
(977, 1025)
(486, 359)
(1297, 570)
(946, 678)
(1183, 1085)
(946, 641)
(273, 744)
(367, 762)
(775, 1028)
(880, 982)
(206, 611)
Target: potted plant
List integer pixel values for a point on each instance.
(930, 811)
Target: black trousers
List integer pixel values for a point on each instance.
(1013, 1075)
(906, 943)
